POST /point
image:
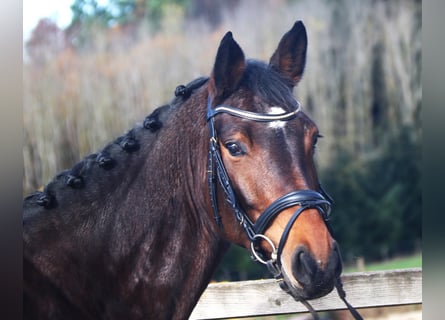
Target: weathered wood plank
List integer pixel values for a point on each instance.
(264, 297)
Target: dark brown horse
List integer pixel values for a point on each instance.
(136, 230)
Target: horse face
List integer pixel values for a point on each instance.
(266, 160)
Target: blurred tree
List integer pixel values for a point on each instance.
(87, 15)
(125, 15)
(47, 41)
(378, 199)
(132, 15)
(86, 11)
(211, 11)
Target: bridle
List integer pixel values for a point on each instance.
(255, 231)
(305, 199)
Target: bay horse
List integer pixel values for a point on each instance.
(136, 230)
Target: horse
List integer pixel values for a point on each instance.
(136, 230)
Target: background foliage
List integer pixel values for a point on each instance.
(114, 64)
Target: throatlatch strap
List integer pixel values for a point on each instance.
(211, 181)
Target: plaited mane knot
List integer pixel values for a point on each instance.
(74, 181)
(105, 161)
(152, 123)
(45, 200)
(73, 178)
(183, 91)
(186, 91)
(128, 142)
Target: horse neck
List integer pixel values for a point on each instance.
(151, 244)
(183, 246)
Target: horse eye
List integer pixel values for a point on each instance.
(235, 149)
(314, 143)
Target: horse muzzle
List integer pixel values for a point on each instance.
(308, 278)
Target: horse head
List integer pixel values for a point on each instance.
(262, 153)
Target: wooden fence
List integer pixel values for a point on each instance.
(264, 297)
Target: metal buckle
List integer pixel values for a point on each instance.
(273, 255)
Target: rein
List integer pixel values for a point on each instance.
(255, 230)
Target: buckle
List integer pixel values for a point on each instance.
(256, 255)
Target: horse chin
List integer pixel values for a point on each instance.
(300, 292)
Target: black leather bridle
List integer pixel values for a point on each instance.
(255, 231)
(305, 199)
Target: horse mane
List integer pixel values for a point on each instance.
(104, 168)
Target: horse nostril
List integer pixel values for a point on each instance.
(304, 266)
(310, 272)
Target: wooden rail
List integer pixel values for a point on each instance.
(264, 297)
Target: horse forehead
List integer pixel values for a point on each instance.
(277, 124)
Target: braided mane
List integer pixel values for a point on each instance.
(98, 172)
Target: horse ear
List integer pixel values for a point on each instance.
(289, 58)
(228, 69)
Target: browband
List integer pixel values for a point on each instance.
(261, 117)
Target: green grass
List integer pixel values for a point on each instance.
(413, 261)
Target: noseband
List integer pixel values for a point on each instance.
(255, 231)
(305, 199)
